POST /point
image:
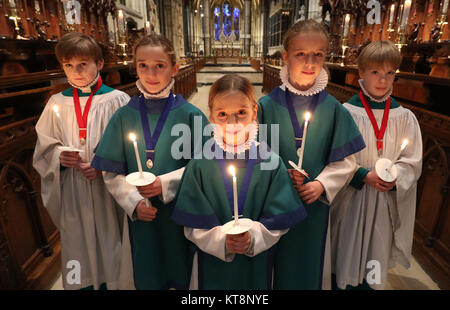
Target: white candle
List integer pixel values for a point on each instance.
(402, 147)
(232, 171)
(138, 159)
(445, 7)
(302, 147)
(147, 27)
(63, 129)
(120, 23)
(391, 13)
(406, 12)
(346, 24)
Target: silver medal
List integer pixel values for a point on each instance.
(149, 164)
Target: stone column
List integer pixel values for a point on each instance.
(247, 25)
(206, 26)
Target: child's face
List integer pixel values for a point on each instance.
(81, 70)
(378, 80)
(233, 111)
(154, 68)
(305, 58)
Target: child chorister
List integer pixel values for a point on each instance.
(72, 191)
(265, 195)
(303, 259)
(373, 220)
(161, 255)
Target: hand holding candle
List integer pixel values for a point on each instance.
(232, 171)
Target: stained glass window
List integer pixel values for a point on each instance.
(217, 27)
(226, 19)
(236, 22)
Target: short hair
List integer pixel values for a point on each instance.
(230, 82)
(76, 44)
(308, 25)
(379, 53)
(156, 40)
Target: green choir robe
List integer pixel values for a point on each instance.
(332, 135)
(161, 255)
(203, 204)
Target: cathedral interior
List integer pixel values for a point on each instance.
(213, 38)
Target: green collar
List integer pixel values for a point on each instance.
(103, 90)
(356, 101)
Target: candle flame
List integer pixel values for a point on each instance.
(132, 137)
(307, 116)
(404, 144)
(347, 18)
(232, 170)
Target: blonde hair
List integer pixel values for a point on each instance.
(308, 25)
(379, 53)
(76, 44)
(157, 40)
(230, 82)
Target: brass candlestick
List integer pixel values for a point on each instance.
(442, 23)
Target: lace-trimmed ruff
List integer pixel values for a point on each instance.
(379, 100)
(164, 93)
(320, 83)
(239, 148)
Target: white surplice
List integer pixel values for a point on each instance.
(371, 229)
(85, 213)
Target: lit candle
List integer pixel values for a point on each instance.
(402, 147)
(391, 13)
(302, 148)
(120, 23)
(406, 12)
(346, 24)
(445, 7)
(232, 171)
(138, 160)
(12, 4)
(147, 27)
(63, 129)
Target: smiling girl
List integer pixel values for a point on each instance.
(332, 138)
(205, 199)
(160, 254)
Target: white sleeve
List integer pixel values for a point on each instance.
(211, 241)
(169, 184)
(262, 238)
(126, 195)
(336, 175)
